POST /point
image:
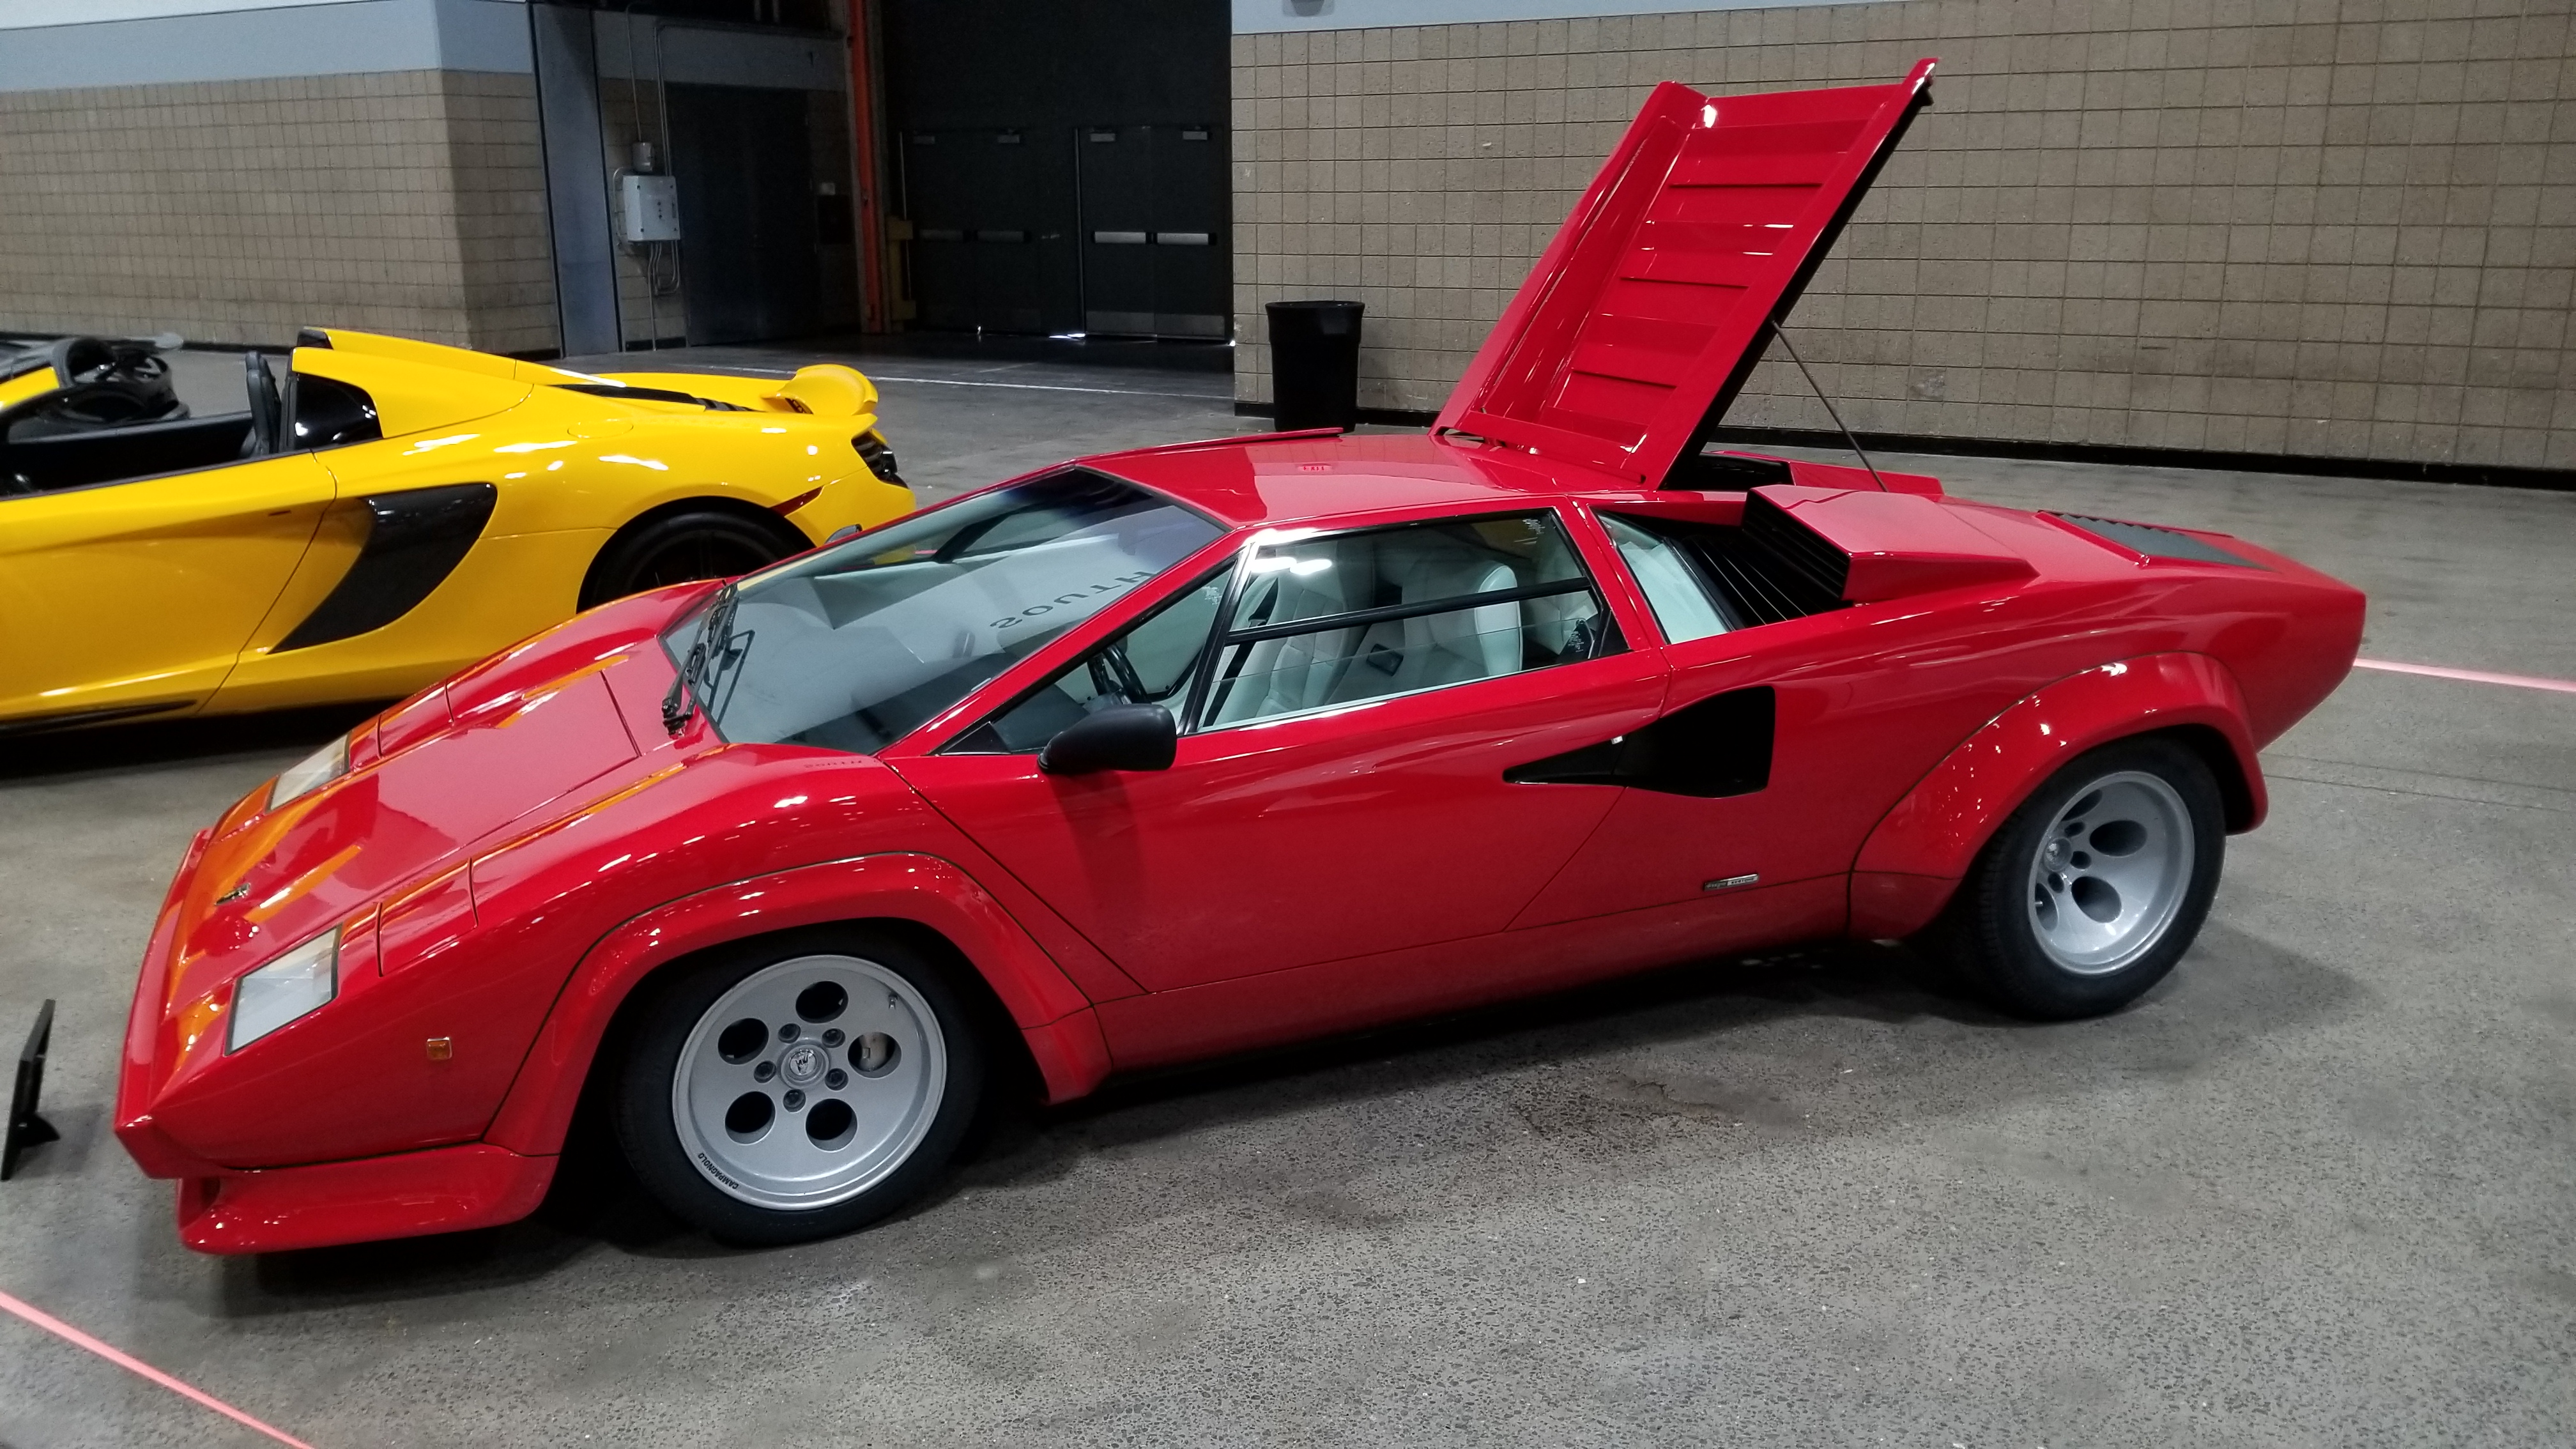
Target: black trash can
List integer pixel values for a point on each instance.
(1315, 364)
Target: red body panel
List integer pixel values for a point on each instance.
(512, 854)
(1313, 827)
(1250, 1011)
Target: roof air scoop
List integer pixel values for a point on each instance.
(1865, 546)
(1645, 315)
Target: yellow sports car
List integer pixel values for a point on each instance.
(390, 513)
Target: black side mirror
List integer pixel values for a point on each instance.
(1121, 737)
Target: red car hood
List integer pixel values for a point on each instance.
(426, 782)
(1643, 318)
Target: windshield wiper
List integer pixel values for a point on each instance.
(694, 689)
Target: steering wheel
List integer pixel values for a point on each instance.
(1112, 674)
(266, 411)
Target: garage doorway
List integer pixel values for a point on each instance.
(1067, 172)
(1153, 242)
(750, 268)
(985, 257)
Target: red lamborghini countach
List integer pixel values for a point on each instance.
(1176, 752)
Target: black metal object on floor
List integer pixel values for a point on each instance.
(25, 1128)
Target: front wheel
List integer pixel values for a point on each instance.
(799, 1087)
(2095, 887)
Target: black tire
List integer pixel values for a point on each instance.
(684, 546)
(649, 1108)
(2001, 932)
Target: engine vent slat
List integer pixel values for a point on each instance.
(1826, 567)
(2154, 542)
(1759, 585)
(1752, 579)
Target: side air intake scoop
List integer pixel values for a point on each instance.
(1866, 546)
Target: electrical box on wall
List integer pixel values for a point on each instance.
(648, 209)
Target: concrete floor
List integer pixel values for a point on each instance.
(2319, 1189)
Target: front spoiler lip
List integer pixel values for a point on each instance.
(150, 1147)
(368, 1199)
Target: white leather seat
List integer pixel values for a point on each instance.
(1396, 656)
(1282, 676)
(1429, 650)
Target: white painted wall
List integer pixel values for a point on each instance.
(62, 44)
(1257, 17)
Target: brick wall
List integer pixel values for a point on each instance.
(409, 202)
(2280, 226)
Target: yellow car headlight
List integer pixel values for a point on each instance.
(287, 989)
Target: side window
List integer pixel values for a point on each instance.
(1151, 662)
(1671, 579)
(1357, 616)
(324, 412)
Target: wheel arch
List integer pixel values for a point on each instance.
(2240, 779)
(1914, 859)
(926, 902)
(789, 537)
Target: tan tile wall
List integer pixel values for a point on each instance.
(504, 253)
(2281, 226)
(408, 202)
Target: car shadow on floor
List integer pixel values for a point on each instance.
(1673, 1044)
(1705, 1042)
(123, 748)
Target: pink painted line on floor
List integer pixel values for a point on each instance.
(131, 1364)
(2472, 676)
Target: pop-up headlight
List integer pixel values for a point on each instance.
(291, 986)
(311, 773)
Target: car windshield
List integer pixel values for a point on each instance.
(855, 646)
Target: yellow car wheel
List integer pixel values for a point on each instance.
(684, 543)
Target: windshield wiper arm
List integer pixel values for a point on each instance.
(694, 687)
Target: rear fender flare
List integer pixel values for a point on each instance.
(1920, 850)
(922, 891)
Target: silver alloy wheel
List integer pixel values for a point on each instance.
(2110, 873)
(809, 1082)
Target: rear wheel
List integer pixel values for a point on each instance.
(2095, 887)
(800, 1087)
(683, 547)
